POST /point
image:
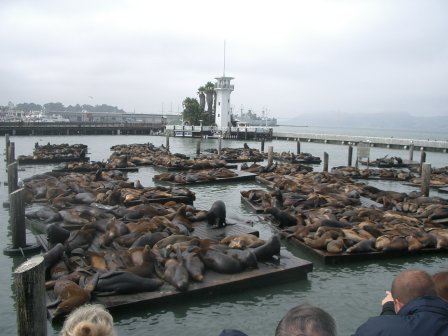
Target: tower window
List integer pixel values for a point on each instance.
(219, 103)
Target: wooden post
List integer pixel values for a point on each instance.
(270, 155)
(350, 155)
(198, 147)
(245, 134)
(10, 155)
(168, 141)
(12, 177)
(411, 152)
(422, 160)
(325, 162)
(29, 282)
(7, 143)
(298, 146)
(219, 146)
(17, 218)
(426, 178)
(262, 145)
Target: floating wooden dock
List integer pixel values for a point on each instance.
(288, 269)
(332, 258)
(190, 167)
(242, 176)
(89, 170)
(51, 160)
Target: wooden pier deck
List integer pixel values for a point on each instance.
(332, 258)
(242, 176)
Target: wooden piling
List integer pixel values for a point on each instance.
(29, 282)
(350, 155)
(411, 152)
(219, 145)
(298, 147)
(12, 177)
(422, 160)
(426, 178)
(270, 155)
(167, 142)
(198, 147)
(262, 145)
(17, 218)
(325, 162)
(10, 154)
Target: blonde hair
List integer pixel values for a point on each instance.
(89, 320)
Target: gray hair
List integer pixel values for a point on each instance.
(306, 320)
(89, 320)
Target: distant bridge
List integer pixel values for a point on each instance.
(395, 143)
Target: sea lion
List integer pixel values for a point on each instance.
(220, 262)
(335, 246)
(283, 217)
(128, 239)
(46, 213)
(176, 273)
(56, 234)
(71, 295)
(150, 238)
(216, 215)
(363, 246)
(247, 257)
(194, 265)
(81, 238)
(242, 241)
(121, 282)
(269, 249)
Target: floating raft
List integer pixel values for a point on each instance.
(51, 160)
(288, 269)
(190, 167)
(89, 170)
(331, 258)
(178, 199)
(242, 176)
(243, 160)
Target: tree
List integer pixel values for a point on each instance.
(192, 111)
(54, 107)
(201, 94)
(209, 93)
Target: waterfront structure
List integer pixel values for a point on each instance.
(223, 89)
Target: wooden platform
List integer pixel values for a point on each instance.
(203, 231)
(52, 160)
(331, 258)
(89, 170)
(242, 176)
(177, 199)
(243, 160)
(289, 269)
(255, 208)
(190, 167)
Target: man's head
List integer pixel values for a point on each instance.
(441, 283)
(306, 320)
(410, 285)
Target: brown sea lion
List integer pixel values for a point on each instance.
(150, 238)
(335, 246)
(242, 241)
(176, 273)
(80, 238)
(284, 218)
(194, 265)
(71, 295)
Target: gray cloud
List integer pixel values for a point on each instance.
(291, 57)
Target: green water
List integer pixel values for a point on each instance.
(350, 292)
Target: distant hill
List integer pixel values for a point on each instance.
(377, 120)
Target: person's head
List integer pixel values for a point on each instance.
(410, 285)
(306, 320)
(441, 283)
(89, 320)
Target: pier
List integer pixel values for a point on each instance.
(393, 143)
(80, 128)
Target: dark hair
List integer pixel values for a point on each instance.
(304, 320)
(412, 284)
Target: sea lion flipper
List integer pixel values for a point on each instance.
(54, 303)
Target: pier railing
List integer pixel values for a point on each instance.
(397, 143)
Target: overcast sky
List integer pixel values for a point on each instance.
(287, 57)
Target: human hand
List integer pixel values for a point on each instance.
(387, 298)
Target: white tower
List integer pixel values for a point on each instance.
(223, 89)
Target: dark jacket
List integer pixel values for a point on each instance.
(425, 316)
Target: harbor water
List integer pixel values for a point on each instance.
(351, 293)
